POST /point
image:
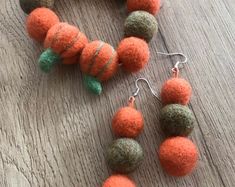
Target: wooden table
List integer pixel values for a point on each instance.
(54, 133)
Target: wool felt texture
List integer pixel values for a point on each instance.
(39, 22)
(151, 6)
(133, 54)
(176, 90)
(100, 60)
(124, 155)
(178, 156)
(47, 59)
(118, 181)
(127, 122)
(92, 84)
(141, 24)
(65, 40)
(71, 60)
(29, 5)
(177, 120)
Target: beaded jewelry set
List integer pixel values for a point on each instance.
(99, 61)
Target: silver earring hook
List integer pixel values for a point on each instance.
(138, 88)
(176, 66)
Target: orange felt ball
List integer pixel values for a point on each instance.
(178, 156)
(151, 6)
(71, 60)
(118, 181)
(99, 60)
(176, 91)
(133, 54)
(39, 22)
(127, 122)
(65, 40)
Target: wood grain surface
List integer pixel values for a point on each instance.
(54, 133)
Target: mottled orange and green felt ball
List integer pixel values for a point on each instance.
(141, 24)
(127, 122)
(118, 181)
(177, 120)
(178, 156)
(124, 155)
(99, 62)
(176, 91)
(133, 54)
(39, 22)
(63, 41)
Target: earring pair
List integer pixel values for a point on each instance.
(177, 154)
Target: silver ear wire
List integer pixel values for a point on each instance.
(138, 88)
(176, 66)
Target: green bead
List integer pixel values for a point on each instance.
(48, 59)
(92, 84)
(177, 120)
(140, 24)
(124, 155)
(29, 5)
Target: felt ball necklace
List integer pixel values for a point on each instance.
(99, 61)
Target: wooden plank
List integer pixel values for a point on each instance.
(54, 133)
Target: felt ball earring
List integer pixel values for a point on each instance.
(178, 155)
(125, 154)
(176, 90)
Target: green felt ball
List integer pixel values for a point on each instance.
(47, 60)
(92, 84)
(124, 155)
(177, 120)
(29, 5)
(141, 24)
